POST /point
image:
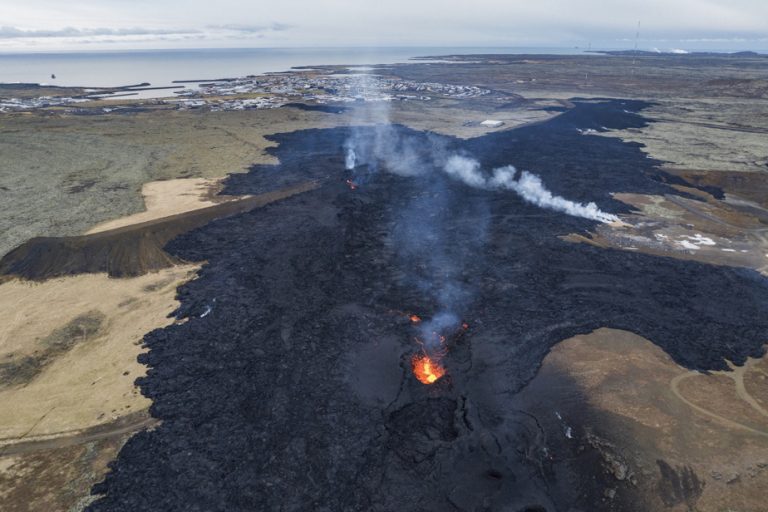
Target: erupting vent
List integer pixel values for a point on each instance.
(427, 370)
(427, 364)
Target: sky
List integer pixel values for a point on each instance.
(71, 25)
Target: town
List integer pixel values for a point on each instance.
(265, 91)
(275, 90)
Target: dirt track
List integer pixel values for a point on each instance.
(675, 386)
(61, 439)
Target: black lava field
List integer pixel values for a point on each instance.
(289, 386)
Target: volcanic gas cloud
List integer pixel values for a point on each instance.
(431, 256)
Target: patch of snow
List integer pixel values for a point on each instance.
(699, 239)
(687, 245)
(695, 242)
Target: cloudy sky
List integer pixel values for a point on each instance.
(44, 25)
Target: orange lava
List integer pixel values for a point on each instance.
(352, 185)
(426, 369)
(415, 319)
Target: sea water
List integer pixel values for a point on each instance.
(161, 68)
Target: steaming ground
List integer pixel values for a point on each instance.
(526, 184)
(381, 145)
(423, 237)
(288, 387)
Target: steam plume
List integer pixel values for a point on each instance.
(466, 170)
(528, 186)
(422, 239)
(351, 158)
(430, 331)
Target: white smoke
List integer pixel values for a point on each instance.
(528, 186)
(466, 170)
(373, 141)
(351, 159)
(441, 324)
(370, 136)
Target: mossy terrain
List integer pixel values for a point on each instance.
(21, 370)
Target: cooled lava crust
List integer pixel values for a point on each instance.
(295, 392)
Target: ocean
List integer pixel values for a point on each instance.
(161, 67)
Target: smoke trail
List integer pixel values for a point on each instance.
(369, 147)
(528, 186)
(425, 242)
(434, 251)
(350, 160)
(371, 135)
(375, 143)
(430, 332)
(466, 170)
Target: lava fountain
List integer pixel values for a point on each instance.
(426, 369)
(427, 364)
